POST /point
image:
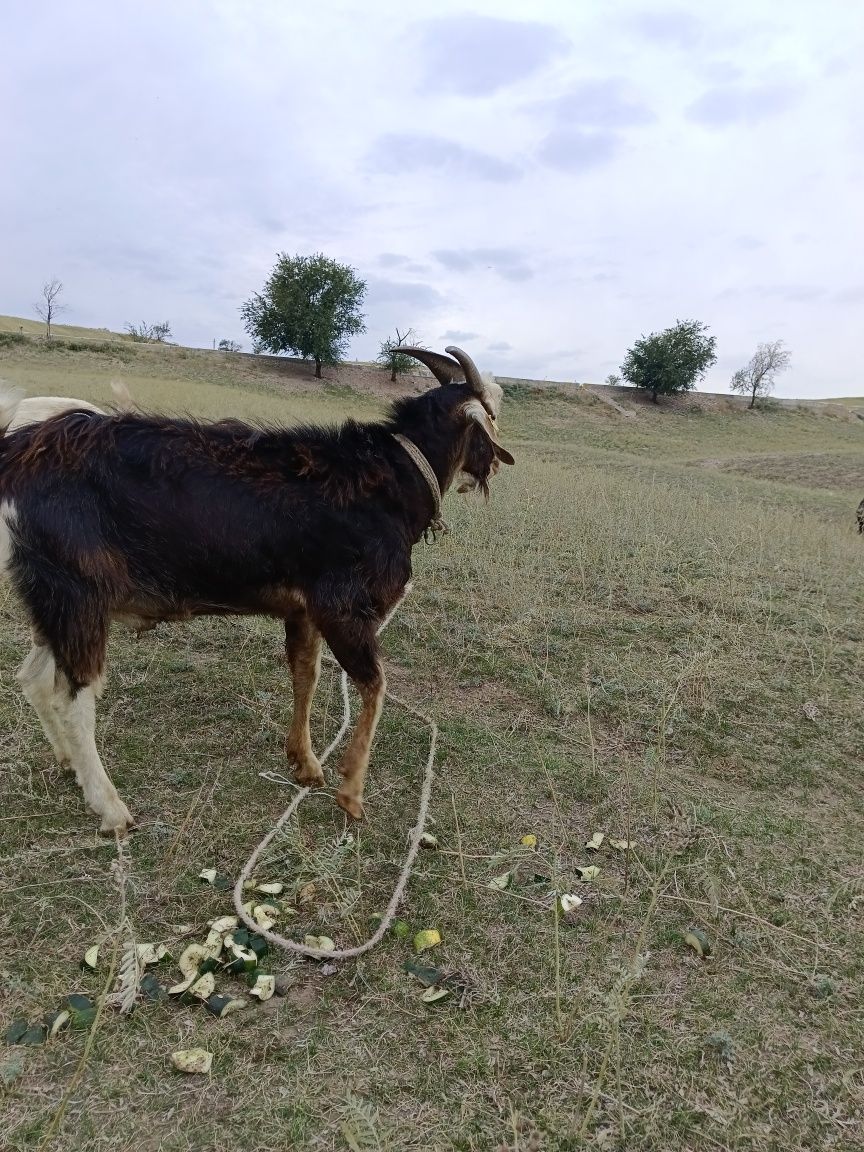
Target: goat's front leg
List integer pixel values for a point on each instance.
(303, 649)
(355, 646)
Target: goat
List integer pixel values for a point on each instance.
(142, 518)
(24, 410)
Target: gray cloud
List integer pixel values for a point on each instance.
(793, 293)
(577, 151)
(598, 104)
(500, 346)
(454, 335)
(789, 293)
(476, 55)
(739, 104)
(396, 154)
(413, 295)
(853, 295)
(405, 264)
(506, 262)
(675, 27)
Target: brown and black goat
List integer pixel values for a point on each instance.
(145, 518)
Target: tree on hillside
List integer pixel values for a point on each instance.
(758, 377)
(390, 356)
(48, 307)
(229, 346)
(310, 306)
(145, 333)
(670, 361)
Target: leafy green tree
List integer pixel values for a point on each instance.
(310, 306)
(670, 361)
(390, 356)
(758, 378)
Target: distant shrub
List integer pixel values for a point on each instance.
(10, 339)
(229, 346)
(104, 347)
(100, 348)
(145, 333)
(516, 391)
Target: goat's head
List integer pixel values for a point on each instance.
(481, 452)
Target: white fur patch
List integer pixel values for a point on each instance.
(35, 409)
(8, 516)
(493, 393)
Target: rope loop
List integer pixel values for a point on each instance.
(413, 844)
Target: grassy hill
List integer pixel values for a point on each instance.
(655, 630)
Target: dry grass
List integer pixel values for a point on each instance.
(617, 642)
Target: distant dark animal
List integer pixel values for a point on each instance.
(146, 518)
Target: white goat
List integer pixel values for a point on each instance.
(35, 409)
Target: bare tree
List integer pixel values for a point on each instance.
(145, 333)
(390, 356)
(757, 378)
(48, 307)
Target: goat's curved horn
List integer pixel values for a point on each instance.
(472, 373)
(443, 368)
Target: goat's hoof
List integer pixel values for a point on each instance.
(350, 804)
(310, 777)
(117, 820)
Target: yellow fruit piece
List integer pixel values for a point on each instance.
(192, 1060)
(264, 987)
(699, 942)
(568, 902)
(320, 943)
(426, 939)
(433, 995)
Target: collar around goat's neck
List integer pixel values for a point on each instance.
(437, 523)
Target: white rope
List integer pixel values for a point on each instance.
(413, 846)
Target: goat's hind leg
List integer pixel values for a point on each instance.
(303, 649)
(37, 677)
(77, 708)
(76, 630)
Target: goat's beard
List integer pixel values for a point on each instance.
(474, 484)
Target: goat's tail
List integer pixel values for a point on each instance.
(10, 398)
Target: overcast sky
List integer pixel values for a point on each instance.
(540, 182)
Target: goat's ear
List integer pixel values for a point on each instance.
(475, 411)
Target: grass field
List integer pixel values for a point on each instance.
(655, 630)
